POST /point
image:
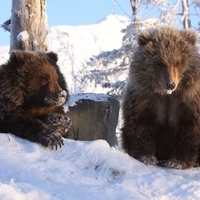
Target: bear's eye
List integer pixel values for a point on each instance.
(43, 79)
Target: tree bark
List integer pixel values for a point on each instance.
(93, 117)
(135, 11)
(28, 25)
(186, 14)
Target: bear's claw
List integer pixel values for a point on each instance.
(174, 164)
(148, 160)
(53, 140)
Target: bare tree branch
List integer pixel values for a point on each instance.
(6, 25)
(186, 14)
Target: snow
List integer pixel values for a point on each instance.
(23, 36)
(91, 96)
(4, 54)
(85, 170)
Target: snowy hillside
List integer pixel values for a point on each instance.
(85, 170)
(76, 45)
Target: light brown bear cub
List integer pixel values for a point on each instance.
(161, 102)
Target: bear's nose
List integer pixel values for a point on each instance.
(63, 94)
(170, 86)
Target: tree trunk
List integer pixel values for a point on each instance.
(29, 25)
(135, 12)
(186, 14)
(93, 117)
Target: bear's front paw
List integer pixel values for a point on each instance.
(174, 164)
(58, 119)
(52, 140)
(148, 160)
(60, 123)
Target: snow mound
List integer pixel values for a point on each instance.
(86, 170)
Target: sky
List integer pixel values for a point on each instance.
(62, 12)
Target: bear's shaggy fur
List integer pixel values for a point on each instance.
(161, 102)
(32, 92)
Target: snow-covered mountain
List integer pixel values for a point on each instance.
(85, 170)
(76, 44)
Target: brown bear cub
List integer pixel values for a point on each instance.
(161, 102)
(32, 95)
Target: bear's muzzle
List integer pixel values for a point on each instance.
(57, 99)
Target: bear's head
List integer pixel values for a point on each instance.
(38, 77)
(165, 54)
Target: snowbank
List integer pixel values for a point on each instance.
(86, 170)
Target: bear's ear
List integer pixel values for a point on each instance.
(52, 56)
(143, 38)
(17, 57)
(190, 36)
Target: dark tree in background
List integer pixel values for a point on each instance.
(28, 25)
